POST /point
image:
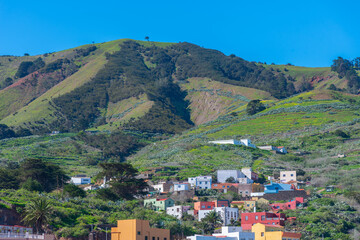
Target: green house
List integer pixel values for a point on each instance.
(159, 204)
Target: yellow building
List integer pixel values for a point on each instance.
(270, 232)
(135, 229)
(244, 205)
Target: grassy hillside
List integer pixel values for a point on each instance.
(210, 99)
(42, 109)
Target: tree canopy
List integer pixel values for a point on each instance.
(122, 181)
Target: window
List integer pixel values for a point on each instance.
(139, 233)
(158, 238)
(284, 175)
(153, 238)
(165, 239)
(246, 218)
(146, 238)
(292, 175)
(262, 218)
(262, 234)
(209, 206)
(256, 217)
(202, 206)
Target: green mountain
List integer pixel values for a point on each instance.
(170, 100)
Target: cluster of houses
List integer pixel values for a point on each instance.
(243, 183)
(247, 143)
(140, 229)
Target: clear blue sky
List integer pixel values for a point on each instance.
(306, 33)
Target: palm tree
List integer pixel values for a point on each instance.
(211, 221)
(37, 214)
(147, 38)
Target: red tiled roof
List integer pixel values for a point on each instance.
(163, 199)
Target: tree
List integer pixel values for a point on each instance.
(48, 175)
(211, 221)
(147, 38)
(122, 180)
(37, 214)
(32, 185)
(8, 179)
(230, 180)
(8, 81)
(254, 106)
(6, 132)
(72, 191)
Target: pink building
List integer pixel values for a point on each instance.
(249, 219)
(293, 204)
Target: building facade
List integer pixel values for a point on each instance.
(80, 179)
(291, 205)
(177, 211)
(287, 176)
(159, 204)
(266, 232)
(135, 229)
(181, 187)
(201, 182)
(277, 187)
(249, 219)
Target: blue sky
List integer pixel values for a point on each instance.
(305, 33)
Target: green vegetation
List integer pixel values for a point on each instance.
(254, 107)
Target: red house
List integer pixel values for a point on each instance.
(292, 205)
(249, 219)
(210, 205)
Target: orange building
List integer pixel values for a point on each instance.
(135, 229)
(273, 232)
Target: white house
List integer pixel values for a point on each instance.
(181, 187)
(239, 177)
(226, 214)
(177, 211)
(247, 142)
(163, 186)
(234, 233)
(202, 182)
(227, 233)
(287, 176)
(249, 173)
(280, 149)
(80, 179)
(244, 142)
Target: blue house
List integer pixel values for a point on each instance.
(277, 187)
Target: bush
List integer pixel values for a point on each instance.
(254, 106)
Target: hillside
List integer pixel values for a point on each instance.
(48, 90)
(151, 91)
